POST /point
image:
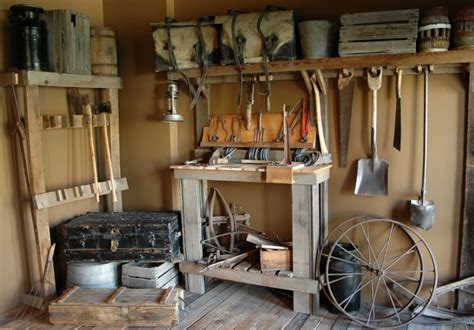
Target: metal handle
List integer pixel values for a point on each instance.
(373, 131)
(425, 135)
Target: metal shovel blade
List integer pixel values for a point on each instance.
(422, 215)
(372, 177)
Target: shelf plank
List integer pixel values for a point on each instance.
(245, 173)
(438, 58)
(272, 281)
(54, 79)
(69, 195)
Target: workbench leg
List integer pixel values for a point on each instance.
(36, 177)
(305, 221)
(191, 213)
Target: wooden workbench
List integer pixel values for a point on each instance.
(309, 223)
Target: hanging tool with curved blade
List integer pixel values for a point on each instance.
(397, 133)
(345, 85)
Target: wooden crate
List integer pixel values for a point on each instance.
(69, 45)
(275, 260)
(383, 32)
(117, 307)
(149, 275)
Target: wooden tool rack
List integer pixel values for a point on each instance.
(35, 123)
(193, 180)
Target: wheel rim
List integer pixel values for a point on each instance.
(383, 272)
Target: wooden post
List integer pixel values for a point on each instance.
(36, 172)
(466, 300)
(111, 95)
(191, 213)
(305, 221)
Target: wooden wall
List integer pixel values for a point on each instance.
(145, 140)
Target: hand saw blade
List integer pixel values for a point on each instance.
(345, 114)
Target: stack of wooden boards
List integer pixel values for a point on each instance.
(123, 236)
(117, 307)
(149, 275)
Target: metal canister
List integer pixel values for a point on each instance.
(318, 38)
(28, 38)
(434, 33)
(464, 28)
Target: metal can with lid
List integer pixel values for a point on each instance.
(28, 38)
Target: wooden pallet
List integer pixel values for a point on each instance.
(383, 32)
(117, 307)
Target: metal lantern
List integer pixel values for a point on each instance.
(172, 114)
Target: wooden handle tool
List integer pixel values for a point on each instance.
(108, 158)
(90, 132)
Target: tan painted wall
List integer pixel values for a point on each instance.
(145, 140)
(145, 148)
(65, 166)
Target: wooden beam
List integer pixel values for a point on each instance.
(54, 79)
(191, 213)
(401, 60)
(69, 195)
(36, 177)
(466, 300)
(111, 95)
(286, 283)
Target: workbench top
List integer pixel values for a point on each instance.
(310, 175)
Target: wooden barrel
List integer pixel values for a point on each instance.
(464, 29)
(103, 51)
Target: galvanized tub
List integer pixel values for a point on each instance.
(318, 38)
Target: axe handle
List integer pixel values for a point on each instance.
(108, 158)
(317, 98)
(90, 134)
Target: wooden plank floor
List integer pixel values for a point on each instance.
(229, 305)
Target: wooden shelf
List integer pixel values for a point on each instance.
(297, 284)
(248, 173)
(54, 79)
(451, 59)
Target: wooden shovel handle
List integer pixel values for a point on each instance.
(108, 158)
(90, 134)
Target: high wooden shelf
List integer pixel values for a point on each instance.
(453, 61)
(54, 79)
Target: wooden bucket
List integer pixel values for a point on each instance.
(103, 51)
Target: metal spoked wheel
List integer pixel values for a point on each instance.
(376, 271)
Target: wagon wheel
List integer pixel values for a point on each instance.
(388, 278)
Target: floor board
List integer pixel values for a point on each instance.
(229, 305)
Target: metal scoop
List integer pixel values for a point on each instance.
(422, 211)
(372, 173)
